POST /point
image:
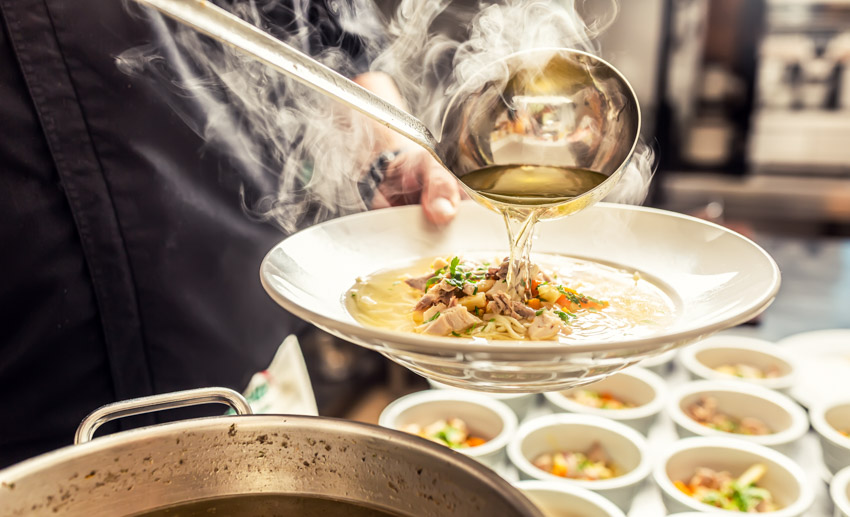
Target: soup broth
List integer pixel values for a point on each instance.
(634, 306)
(268, 505)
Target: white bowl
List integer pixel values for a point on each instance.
(573, 432)
(640, 387)
(693, 514)
(659, 364)
(519, 403)
(777, 411)
(839, 490)
(485, 417)
(701, 358)
(562, 500)
(715, 277)
(827, 418)
(785, 479)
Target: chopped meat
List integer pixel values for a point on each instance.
(427, 315)
(419, 282)
(443, 292)
(453, 319)
(545, 326)
(596, 453)
(469, 289)
(425, 302)
(522, 311)
(500, 304)
(710, 479)
(753, 426)
(444, 286)
(501, 272)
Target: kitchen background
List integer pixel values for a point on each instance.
(748, 105)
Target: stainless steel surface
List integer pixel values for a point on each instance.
(546, 107)
(136, 471)
(219, 24)
(98, 417)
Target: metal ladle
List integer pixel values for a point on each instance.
(545, 107)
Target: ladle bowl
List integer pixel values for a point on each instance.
(552, 107)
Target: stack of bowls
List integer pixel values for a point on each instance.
(786, 420)
(831, 420)
(485, 417)
(784, 478)
(576, 433)
(564, 500)
(642, 388)
(839, 490)
(702, 359)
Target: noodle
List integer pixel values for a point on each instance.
(569, 300)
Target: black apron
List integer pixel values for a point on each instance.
(128, 266)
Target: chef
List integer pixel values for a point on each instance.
(128, 265)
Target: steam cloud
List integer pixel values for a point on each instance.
(298, 155)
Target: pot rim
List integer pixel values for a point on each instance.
(254, 423)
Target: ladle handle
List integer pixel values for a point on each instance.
(219, 24)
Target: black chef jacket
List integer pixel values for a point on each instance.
(127, 265)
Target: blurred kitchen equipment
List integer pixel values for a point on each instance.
(270, 458)
(544, 107)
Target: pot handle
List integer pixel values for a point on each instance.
(138, 406)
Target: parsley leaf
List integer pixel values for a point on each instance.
(453, 266)
(431, 281)
(435, 316)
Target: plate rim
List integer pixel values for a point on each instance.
(411, 342)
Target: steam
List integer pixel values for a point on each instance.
(299, 156)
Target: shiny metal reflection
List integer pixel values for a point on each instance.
(549, 106)
(545, 107)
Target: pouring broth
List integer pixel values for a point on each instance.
(266, 505)
(531, 185)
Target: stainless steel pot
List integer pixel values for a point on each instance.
(144, 469)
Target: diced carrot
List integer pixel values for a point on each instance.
(559, 470)
(534, 293)
(562, 300)
(474, 441)
(684, 488)
(534, 303)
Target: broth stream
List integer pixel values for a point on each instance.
(522, 193)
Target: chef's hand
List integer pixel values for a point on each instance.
(413, 175)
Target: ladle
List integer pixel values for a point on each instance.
(544, 107)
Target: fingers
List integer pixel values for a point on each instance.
(440, 194)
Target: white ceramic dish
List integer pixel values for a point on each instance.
(822, 359)
(693, 514)
(520, 403)
(660, 364)
(785, 479)
(839, 491)
(635, 385)
(716, 278)
(572, 432)
(782, 415)
(701, 358)
(827, 418)
(485, 417)
(562, 500)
